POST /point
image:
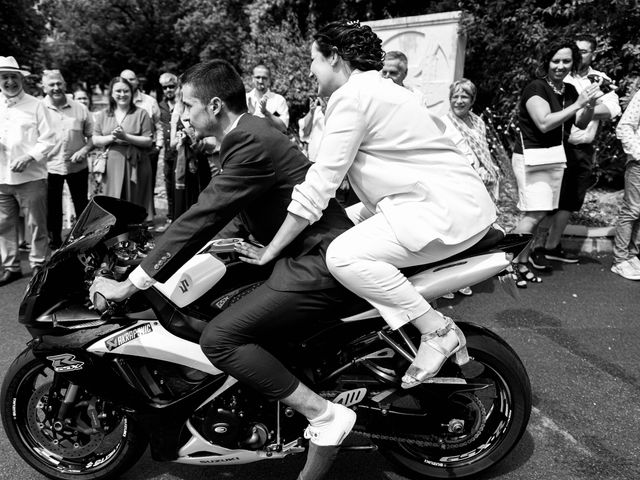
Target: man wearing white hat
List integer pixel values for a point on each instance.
(26, 137)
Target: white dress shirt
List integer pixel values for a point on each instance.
(276, 104)
(25, 129)
(609, 100)
(399, 162)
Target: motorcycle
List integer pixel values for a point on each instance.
(92, 389)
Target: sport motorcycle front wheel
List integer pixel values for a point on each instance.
(92, 440)
(477, 427)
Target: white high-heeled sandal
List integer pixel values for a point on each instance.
(417, 374)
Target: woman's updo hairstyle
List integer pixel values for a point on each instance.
(554, 47)
(355, 43)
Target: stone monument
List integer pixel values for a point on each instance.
(434, 46)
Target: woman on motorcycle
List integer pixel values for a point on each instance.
(421, 200)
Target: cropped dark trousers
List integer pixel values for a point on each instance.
(240, 340)
(78, 188)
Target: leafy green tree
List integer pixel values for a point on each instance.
(21, 30)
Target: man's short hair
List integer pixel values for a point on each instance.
(397, 55)
(262, 65)
(46, 74)
(217, 78)
(168, 77)
(588, 38)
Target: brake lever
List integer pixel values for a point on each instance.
(105, 307)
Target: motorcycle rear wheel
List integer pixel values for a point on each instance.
(496, 420)
(63, 452)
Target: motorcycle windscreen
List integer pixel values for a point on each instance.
(103, 217)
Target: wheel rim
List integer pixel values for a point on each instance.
(488, 416)
(61, 445)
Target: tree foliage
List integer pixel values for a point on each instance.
(92, 40)
(20, 30)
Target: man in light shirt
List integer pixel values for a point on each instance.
(580, 152)
(262, 102)
(67, 162)
(26, 137)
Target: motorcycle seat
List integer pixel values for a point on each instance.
(492, 238)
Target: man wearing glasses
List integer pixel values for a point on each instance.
(168, 83)
(262, 102)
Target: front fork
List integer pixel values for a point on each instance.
(69, 402)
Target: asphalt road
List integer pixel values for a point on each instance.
(578, 334)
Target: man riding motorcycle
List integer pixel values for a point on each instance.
(258, 169)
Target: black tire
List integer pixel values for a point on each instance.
(510, 411)
(26, 391)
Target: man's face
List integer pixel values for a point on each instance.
(394, 70)
(54, 87)
(169, 89)
(198, 114)
(586, 54)
(11, 83)
(132, 78)
(261, 79)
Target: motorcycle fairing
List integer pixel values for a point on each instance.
(157, 343)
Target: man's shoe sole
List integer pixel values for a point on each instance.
(542, 268)
(561, 259)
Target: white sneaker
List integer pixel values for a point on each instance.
(334, 430)
(635, 261)
(626, 270)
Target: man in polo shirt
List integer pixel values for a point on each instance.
(67, 161)
(262, 102)
(26, 137)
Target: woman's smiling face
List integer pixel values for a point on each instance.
(121, 93)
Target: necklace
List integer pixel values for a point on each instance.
(556, 90)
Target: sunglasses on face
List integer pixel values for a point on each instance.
(168, 87)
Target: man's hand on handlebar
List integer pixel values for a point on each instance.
(109, 289)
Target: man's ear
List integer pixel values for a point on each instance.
(215, 105)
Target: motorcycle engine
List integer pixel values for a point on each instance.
(225, 422)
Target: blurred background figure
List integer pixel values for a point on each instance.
(150, 105)
(67, 161)
(311, 126)
(262, 102)
(169, 85)
(126, 134)
(396, 67)
(469, 133)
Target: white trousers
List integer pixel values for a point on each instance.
(366, 259)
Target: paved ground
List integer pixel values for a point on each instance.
(578, 334)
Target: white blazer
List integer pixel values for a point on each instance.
(399, 163)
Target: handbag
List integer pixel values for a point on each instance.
(98, 162)
(534, 157)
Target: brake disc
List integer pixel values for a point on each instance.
(65, 441)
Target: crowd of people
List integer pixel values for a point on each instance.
(425, 189)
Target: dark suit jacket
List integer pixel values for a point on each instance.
(259, 168)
